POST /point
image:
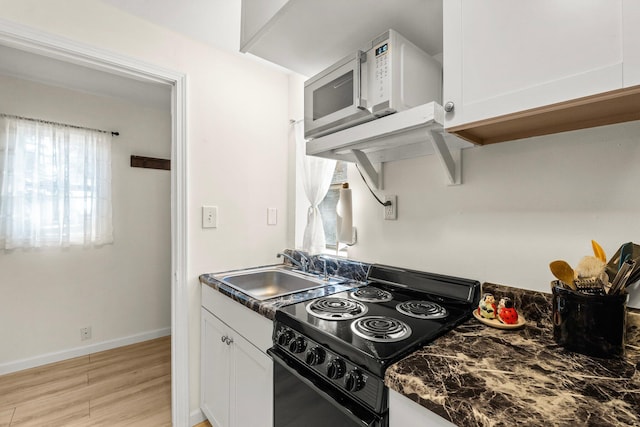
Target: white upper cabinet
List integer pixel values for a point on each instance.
(631, 43)
(505, 56)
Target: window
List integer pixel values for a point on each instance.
(55, 185)
(328, 205)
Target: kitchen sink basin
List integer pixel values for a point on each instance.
(273, 282)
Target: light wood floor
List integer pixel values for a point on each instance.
(127, 386)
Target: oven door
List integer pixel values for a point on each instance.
(334, 99)
(302, 398)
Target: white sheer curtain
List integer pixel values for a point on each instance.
(316, 179)
(55, 185)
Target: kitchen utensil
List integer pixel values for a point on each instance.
(598, 251)
(591, 286)
(615, 263)
(626, 251)
(590, 267)
(621, 279)
(563, 272)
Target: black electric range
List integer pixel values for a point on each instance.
(346, 341)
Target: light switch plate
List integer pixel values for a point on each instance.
(272, 216)
(209, 217)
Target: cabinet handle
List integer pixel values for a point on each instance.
(229, 341)
(223, 339)
(449, 107)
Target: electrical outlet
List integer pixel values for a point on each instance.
(209, 217)
(85, 333)
(391, 211)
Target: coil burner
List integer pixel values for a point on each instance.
(422, 309)
(332, 308)
(380, 329)
(371, 294)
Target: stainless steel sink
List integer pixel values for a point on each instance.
(272, 282)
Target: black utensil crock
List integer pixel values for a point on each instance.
(589, 324)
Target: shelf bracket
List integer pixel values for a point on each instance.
(373, 175)
(451, 159)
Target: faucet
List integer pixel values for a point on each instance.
(324, 267)
(303, 264)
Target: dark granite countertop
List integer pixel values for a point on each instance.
(477, 375)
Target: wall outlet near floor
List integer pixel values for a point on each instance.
(209, 217)
(85, 333)
(391, 211)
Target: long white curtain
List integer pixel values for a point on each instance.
(55, 185)
(316, 179)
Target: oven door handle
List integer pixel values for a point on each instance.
(366, 418)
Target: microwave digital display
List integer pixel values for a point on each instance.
(382, 49)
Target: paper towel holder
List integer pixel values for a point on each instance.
(345, 231)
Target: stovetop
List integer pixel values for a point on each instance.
(452, 300)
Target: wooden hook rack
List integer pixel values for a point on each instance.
(150, 163)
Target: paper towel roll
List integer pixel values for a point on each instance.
(345, 216)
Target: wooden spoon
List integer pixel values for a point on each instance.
(598, 251)
(563, 271)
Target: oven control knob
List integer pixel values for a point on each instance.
(298, 345)
(335, 369)
(315, 356)
(354, 380)
(285, 338)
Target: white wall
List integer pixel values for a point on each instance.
(237, 128)
(296, 189)
(120, 290)
(522, 204)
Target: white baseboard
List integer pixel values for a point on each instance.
(58, 356)
(196, 417)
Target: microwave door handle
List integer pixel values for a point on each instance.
(359, 101)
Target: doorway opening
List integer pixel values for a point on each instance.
(50, 46)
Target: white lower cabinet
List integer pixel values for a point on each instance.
(236, 377)
(404, 412)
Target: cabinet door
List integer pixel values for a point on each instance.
(631, 46)
(407, 413)
(252, 386)
(504, 56)
(215, 370)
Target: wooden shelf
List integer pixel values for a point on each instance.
(618, 106)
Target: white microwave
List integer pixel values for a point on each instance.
(390, 74)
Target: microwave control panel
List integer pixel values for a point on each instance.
(379, 89)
